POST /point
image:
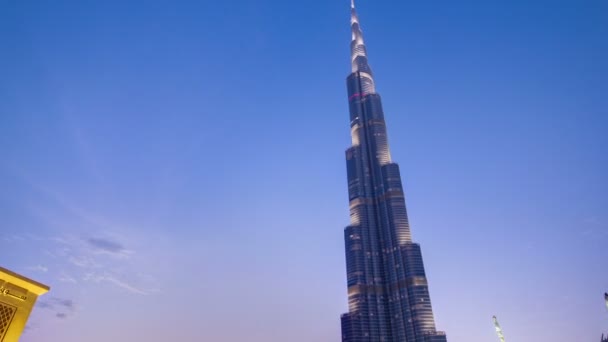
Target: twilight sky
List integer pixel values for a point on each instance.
(175, 169)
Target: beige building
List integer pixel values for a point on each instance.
(18, 295)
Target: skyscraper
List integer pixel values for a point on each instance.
(388, 294)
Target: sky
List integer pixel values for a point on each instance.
(175, 170)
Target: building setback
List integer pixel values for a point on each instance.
(388, 294)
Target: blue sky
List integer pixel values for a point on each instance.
(175, 169)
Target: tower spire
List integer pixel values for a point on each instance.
(358, 52)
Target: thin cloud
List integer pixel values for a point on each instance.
(44, 305)
(594, 228)
(56, 302)
(13, 238)
(65, 278)
(61, 307)
(86, 247)
(29, 327)
(101, 259)
(123, 284)
(83, 261)
(107, 246)
(39, 268)
(66, 303)
(126, 286)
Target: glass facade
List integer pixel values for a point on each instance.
(388, 294)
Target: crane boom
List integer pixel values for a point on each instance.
(501, 336)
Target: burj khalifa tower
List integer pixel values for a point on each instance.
(388, 295)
